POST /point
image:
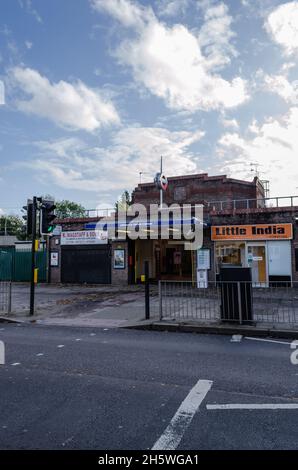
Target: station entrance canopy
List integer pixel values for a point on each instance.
(145, 226)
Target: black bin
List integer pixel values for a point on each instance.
(236, 282)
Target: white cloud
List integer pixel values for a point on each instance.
(72, 164)
(28, 44)
(232, 123)
(2, 93)
(129, 14)
(172, 7)
(273, 145)
(259, 8)
(279, 84)
(216, 34)
(169, 62)
(27, 5)
(282, 25)
(71, 105)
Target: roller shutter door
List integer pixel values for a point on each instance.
(86, 264)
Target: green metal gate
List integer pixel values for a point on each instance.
(6, 263)
(16, 265)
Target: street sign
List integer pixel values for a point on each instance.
(161, 181)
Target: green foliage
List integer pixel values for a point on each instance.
(65, 208)
(124, 201)
(12, 225)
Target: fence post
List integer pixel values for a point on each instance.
(9, 297)
(239, 302)
(147, 294)
(160, 299)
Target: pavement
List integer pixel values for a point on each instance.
(102, 388)
(114, 307)
(80, 305)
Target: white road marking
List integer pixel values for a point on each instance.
(267, 340)
(254, 406)
(16, 364)
(2, 353)
(69, 439)
(1, 329)
(39, 354)
(172, 435)
(78, 339)
(60, 346)
(236, 338)
(92, 334)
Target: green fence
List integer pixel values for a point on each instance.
(16, 265)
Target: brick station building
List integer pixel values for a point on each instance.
(240, 230)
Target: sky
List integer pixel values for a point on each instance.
(93, 92)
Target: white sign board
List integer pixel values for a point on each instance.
(203, 259)
(86, 237)
(54, 259)
(202, 279)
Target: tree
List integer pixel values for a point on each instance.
(66, 208)
(12, 225)
(124, 201)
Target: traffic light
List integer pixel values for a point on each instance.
(47, 215)
(28, 217)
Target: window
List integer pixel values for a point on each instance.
(229, 254)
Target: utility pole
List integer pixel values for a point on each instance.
(33, 249)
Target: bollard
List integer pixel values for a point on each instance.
(147, 294)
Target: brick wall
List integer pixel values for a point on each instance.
(195, 189)
(120, 276)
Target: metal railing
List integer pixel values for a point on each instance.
(92, 213)
(235, 303)
(5, 297)
(270, 202)
(219, 205)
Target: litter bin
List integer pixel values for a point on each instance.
(236, 295)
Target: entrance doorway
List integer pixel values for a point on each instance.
(256, 260)
(177, 263)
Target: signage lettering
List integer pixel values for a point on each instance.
(252, 232)
(86, 237)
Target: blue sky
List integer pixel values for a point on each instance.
(92, 92)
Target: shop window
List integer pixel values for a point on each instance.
(232, 254)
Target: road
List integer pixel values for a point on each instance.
(82, 388)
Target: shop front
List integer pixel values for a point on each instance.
(85, 257)
(265, 248)
(168, 260)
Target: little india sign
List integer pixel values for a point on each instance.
(252, 232)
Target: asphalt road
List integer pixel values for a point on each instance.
(82, 388)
